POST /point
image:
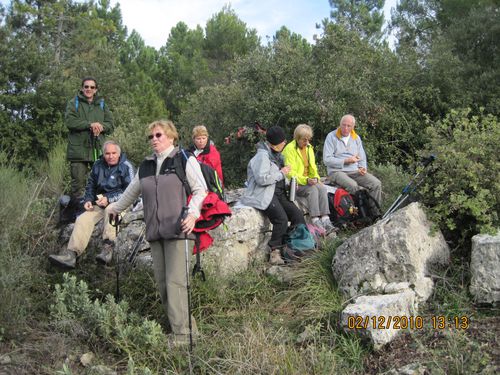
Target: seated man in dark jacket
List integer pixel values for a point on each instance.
(108, 179)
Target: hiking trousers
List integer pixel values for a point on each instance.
(79, 171)
(351, 181)
(279, 212)
(317, 199)
(84, 226)
(169, 266)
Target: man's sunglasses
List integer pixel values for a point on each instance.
(89, 87)
(156, 135)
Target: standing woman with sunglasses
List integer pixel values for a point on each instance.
(167, 229)
(88, 119)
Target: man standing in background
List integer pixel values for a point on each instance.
(87, 118)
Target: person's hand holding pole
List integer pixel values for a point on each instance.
(96, 128)
(187, 224)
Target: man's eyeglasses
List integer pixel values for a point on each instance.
(156, 135)
(89, 87)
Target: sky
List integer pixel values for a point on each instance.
(153, 19)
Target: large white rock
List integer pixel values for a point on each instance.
(241, 240)
(397, 249)
(485, 268)
(380, 318)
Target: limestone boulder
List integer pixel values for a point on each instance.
(380, 318)
(485, 269)
(237, 243)
(241, 240)
(402, 248)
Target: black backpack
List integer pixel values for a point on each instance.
(213, 184)
(210, 175)
(368, 207)
(343, 210)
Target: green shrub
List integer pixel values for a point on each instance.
(55, 170)
(142, 340)
(22, 234)
(393, 179)
(463, 192)
(133, 141)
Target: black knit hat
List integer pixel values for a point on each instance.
(275, 135)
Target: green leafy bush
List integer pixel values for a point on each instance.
(141, 339)
(393, 179)
(463, 192)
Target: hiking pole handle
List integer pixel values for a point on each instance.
(428, 160)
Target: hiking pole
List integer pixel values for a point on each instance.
(132, 257)
(184, 214)
(115, 222)
(197, 267)
(408, 189)
(95, 142)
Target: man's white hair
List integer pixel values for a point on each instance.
(111, 143)
(346, 117)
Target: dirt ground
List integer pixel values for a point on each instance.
(415, 348)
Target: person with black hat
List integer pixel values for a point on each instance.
(266, 191)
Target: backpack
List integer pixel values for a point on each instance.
(210, 175)
(77, 103)
(342, 207)
(299, 241)
(214, 186)
(368, 207)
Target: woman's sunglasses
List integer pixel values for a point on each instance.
(156, 135)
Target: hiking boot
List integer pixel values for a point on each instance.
(66, 259)
(105, 256)
(275, 257)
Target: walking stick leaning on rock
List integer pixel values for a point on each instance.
(412, 186)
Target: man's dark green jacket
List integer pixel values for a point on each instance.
(78, 120)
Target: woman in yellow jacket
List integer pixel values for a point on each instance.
(299, 155)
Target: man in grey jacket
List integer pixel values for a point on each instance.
(345, 159)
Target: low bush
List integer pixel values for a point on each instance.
(393, 179)
(463, 193)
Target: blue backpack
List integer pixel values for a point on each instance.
(77, 103)
(300, 241)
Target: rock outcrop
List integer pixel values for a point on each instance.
(400, 248)
(485, 269)
(386, 269)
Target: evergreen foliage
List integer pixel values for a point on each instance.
(464, 192)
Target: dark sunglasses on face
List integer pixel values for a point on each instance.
(89, 87)
(156, 135)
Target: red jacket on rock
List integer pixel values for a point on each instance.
(213, 213)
